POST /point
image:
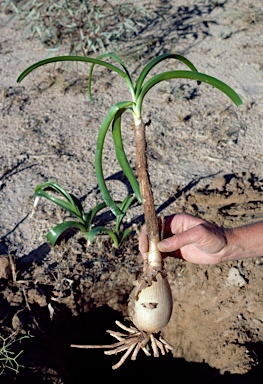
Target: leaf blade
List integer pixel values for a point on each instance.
(191, 75)
(115, 57)
(156, 61)
(98, 155)
(95, 231)
(72, 205)
(70, 58)
(121, 156)
(92, 213)
(124, 207)
(54, 234)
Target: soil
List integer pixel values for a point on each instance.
(204, 158)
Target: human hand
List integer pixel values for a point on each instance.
(189, 238)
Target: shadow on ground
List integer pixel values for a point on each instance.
(48, 356)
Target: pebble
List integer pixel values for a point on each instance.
(234, 278)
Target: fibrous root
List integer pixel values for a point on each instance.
(132, 342)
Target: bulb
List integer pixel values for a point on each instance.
(151, 310)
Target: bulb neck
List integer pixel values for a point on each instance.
(154, 255)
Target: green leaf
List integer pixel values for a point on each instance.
(95, 231)
(62, 203)
(71, 58)
(125, 233)
(115, 57)
(72, 204)
(56, 187)
(124, 208)
(98, 156)
(156, 61)
(192, 75)
(127, 203)
(79, 208)
(92, 213)
(57, 231)
(120, 153)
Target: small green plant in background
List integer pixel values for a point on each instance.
(84, 222)
(8, 358)
(118, 235)
(87, 26)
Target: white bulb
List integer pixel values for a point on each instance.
(152, 309)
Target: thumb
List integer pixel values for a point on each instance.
(164, 246)
(179, 240)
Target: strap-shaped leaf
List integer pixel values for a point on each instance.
(156, 61)
(98, 156)
(125, 205)
(62, 203)
(120, 153)
(115, 57)
(78, 207)
(92, 213)
(124, 235)
(56, 187)
(192, 75)
(72, 204)
(95, 231)
(71, 58)
(57, 231)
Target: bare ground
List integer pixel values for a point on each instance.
(204, 158)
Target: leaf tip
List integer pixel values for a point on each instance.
(239, 102)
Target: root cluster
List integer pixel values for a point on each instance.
(132, 342)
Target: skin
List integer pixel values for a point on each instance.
(201, 242)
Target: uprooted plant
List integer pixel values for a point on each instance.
(150, 303)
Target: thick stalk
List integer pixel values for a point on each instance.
(150, 302)
(151, 220)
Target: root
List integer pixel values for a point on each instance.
(132, 342)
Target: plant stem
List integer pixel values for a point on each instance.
(151, 220)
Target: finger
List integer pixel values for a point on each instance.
(143, 242)
(168, 220)
(182, 221)
(180, 240)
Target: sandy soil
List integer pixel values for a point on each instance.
(205, 158)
